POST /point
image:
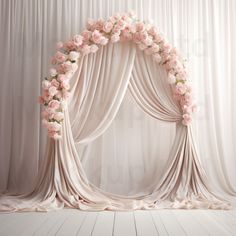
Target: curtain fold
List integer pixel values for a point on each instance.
(105, 77)
(151, 91)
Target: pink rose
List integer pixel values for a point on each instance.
(172, 63)
(60, 57)
(156, 57)
(99, 24)
(55, 83)
(165, 57)
(140, 26)
(46, 96)
(155, 48)
(48, 113)
(158, 38)
(182, 75)
(65, 84)
(87, 35)
(148, 41)
(186, 100)
(132, 29)
(180, 88)
(186, 109)
(96, 36)
(93, 48)
(52, 90)
(186, 119)
(54, 135)
(86, 49)
(78, 40)
(121, 24)
(177, 97)
(107, 27)
(115, 38)
(70, 45)
(167, 47)
(59, 45)
(41, 100)
(65, 67)
(126, 34)
(54, 104)
(51, 133)
(61, 77)
(137, 37)
(153, 31)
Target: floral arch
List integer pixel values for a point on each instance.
(125, 27)
(62, 181)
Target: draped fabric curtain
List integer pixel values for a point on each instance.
(97, 92)
(29, 31)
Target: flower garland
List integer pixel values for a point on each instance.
(119, 27)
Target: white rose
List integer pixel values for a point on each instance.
(93, 48)
(59, 116)
(73, 56)
(54, 126)
(53, 72)
(52, 90)
(171, 78)
(46, 84)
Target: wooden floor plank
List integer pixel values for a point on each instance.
(222, 218)
(88, 225)
(104, 224)
(188, 223)
(124, 224)
(51, 224)
(210, 225)
(171, 223)
(36, 221)
(145, 224)
(15, 223)
(72, 224)
(158, 223)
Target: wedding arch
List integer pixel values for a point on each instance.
(81, 97)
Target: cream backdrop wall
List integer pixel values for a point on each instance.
(202, 30)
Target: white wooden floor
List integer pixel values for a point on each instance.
(70, 222)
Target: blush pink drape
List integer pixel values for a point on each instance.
(98, 89)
